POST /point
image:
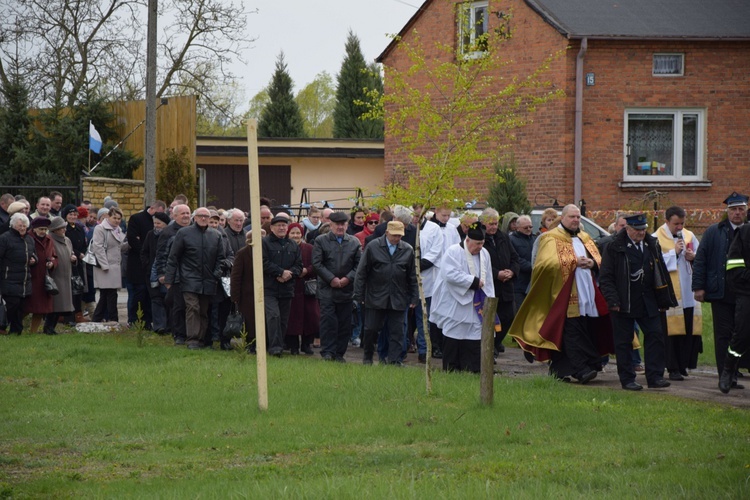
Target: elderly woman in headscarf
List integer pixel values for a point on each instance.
(106, 244)
(77, 235)
(62, 303)
(41, 301)
(304, 313)
(16, 256)
(509, 222)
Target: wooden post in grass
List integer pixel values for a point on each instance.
(260, 314)
(486, 377)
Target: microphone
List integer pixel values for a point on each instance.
(679, 235)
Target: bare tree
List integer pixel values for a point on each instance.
(71, 48)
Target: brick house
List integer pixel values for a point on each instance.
(657, 94)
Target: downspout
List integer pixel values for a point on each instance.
(578, 140)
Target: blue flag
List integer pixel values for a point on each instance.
(95, 140)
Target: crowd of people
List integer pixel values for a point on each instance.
(336, 279)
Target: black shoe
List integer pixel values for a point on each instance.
(195, 347)
(659, 384)
(735, 385)
(437, 354)
(727, 374)
(367, 361)
(529, 357)
(179, 341)
(396, 363)
(225, 346)
(308, 350)
(422, 358)
(295, 352)
(49, 331)
(632, 386)
(499, 349)
(587, 377)
(339, 359)
(327, 357)
(676, 376)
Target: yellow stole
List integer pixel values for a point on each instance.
(675, 315)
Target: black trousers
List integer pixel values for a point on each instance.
(139, 296)
(335, 327)
(462, 355)
(14, 309)
(654, 356)
(175, 303)
(277, 319)
(740, 342)
(579, 354)
(682, 350)
(506, 311)
(374, 321)
(106, 308)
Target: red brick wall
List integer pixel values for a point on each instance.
(540, 148)
(716, 79)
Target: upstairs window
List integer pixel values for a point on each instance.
(473, 20)
(664, 145)
(668, 65)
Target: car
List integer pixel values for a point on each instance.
(592, 228)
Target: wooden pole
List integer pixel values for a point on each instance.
(260, 313)
(487, 370)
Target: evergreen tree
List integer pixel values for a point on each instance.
(176, 176)
(281, 116)
(508, 191)
(16, 160)
(353, 81)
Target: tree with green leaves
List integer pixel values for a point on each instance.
(281, 116)
(443, 110)
(176, 176)
(508, 190)
(352, 97)
(316, 101)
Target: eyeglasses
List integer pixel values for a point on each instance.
(202, 216)
(373, 222)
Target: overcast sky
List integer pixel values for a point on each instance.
(312, 35)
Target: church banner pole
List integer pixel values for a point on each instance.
(260, 314)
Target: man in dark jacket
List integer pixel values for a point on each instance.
(282, 263)
(198, 253)
(386, 283)
(635, 282)
(136, 274)
(505, 268)
(174, 300)
(5, 201)
(234, 230)
(522, 240)
(335, 259)
(738, 279)
(709, 274)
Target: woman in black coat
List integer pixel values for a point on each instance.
(16, 255)
(77, 236)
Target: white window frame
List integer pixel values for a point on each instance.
(677, 115)
(671, 75)
(468, 15)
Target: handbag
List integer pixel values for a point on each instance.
(76, 284)
(235, 323)
(311, 288)
(90, 258)
(49, 285)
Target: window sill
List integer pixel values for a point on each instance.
(681, 185)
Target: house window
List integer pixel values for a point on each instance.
(668, 65)
(472, 24)
(664, 144)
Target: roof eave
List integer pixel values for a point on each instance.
(404, 30)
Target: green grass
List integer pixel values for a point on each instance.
(96, 416)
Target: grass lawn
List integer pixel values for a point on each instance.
(97, 416)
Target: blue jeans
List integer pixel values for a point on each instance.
(158, 311)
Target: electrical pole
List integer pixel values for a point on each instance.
(149, 162)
